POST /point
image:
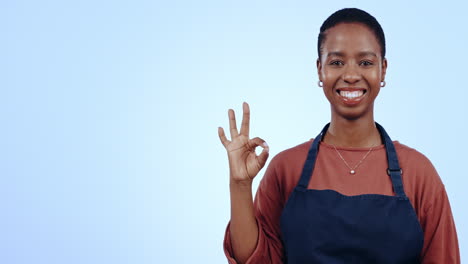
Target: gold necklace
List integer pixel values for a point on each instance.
(352, 171)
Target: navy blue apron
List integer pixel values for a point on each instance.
(324, 226)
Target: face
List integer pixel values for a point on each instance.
(351, 68)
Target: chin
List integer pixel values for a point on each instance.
(351, 114)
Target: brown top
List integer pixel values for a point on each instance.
(421, 182)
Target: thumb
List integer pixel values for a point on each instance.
(263, 156)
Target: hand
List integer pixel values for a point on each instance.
(244, 164)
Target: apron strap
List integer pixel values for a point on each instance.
(393, 170)
(310, 161)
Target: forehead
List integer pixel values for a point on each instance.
(350, 38)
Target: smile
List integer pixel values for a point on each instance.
(351, 96)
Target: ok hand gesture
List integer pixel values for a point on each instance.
(244, 164)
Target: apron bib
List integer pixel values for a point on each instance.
(324, 226)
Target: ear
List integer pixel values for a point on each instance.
(319, 69)
(384, 69)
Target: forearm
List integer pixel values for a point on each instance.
(243, 226)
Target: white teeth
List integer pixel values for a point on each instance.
(351, 95)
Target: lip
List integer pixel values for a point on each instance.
(351, 101)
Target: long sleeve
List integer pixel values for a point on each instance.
(268, 204)
(440, 235)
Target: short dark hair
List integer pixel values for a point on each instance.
(352, 15)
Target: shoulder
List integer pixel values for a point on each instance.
(284, 170)
(412, 157)
(420, 177)
(292, 154)
(287, 164)
(299, 149)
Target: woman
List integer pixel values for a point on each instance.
(351, 195)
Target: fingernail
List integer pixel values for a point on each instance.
(265, 144)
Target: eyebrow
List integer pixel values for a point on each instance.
(367, 53)
(360, 54)
(335, 53)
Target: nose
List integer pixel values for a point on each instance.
(351, 74)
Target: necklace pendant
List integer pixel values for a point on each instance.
(352, 172)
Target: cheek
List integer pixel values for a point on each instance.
(329, 75)
(374, 76)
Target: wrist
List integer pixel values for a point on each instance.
(244, 184)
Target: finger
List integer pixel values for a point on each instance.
(257, 142)
(232, 123)
(262, 158)
(245, 126)
(222, 137)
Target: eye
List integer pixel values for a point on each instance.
(366, 63)
(336, 63)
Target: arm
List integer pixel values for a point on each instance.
(436, 219)
(244, 165)
(267, 207)
(243, 225)
(440, 235)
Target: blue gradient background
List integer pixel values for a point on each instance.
(109, 111)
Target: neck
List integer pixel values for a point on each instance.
(353, 133)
